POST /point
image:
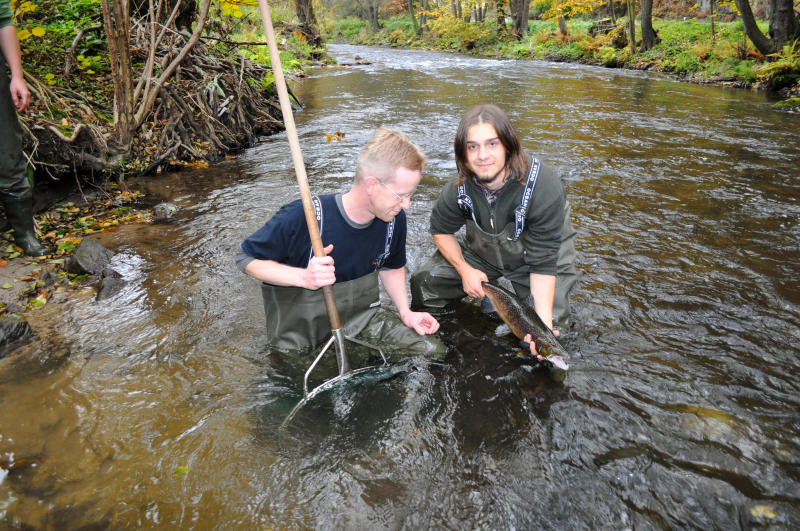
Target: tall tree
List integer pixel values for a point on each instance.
(117, 22)
(417, 28)
(501, 18)
(649, 36)
(520, 9)
(783, 25)
(308, 22)
(632, 24)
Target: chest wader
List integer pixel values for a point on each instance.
(16, 193)
(297, 318)
(497, 255)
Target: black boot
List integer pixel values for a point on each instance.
(19, 212)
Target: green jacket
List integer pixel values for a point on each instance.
(543, 224)
(6, 18)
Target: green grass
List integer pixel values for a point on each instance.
(686, 47)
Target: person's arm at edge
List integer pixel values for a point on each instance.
(9, 44)
(394, 282)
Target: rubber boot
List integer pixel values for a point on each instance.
(19, 212)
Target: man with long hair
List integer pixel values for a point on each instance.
(364, 231)
(517, 223)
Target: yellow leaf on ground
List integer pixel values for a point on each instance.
(763, 511)
(38, 31)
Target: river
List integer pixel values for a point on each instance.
(681, 409)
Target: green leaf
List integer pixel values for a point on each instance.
(181, 471)
(7, 286)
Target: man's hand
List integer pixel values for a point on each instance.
(20, 94)
(529, 340)
(422, 322)
(471, 279)
(320, 271)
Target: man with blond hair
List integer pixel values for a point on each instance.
(364, 234)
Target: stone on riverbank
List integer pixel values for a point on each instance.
(90, 257)
(13, 333)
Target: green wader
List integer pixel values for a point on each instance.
(298, 320)
(437, 282)
(16, 194)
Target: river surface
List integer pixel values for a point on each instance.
(160, 408)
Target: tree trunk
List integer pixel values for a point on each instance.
(372, 12)
(423, 18)
(417, 30)
(611, 11)
(308, 22)
(783, 24)
(632, 24)
(649, 37)
(117, 22)
(562, 26)
(761, 43)
(502, 31)
(520, 11)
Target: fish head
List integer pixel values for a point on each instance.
(555, 355)
(558, 362)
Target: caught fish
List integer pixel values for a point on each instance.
(522, 320)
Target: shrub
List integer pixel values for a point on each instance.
(784, 71)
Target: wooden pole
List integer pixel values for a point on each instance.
(297, 157)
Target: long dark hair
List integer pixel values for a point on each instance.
(516, 160)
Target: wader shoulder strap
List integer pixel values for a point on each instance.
(522, 210)
(378, 262)
(317, 212)
(465, 202)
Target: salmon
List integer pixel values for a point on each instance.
(522, 320)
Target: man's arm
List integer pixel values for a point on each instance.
(471, 278)
(9, 44)
(319, 272)
(394, 282)
(543, 291)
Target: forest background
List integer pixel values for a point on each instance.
(129, 87)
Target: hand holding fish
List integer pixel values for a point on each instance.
(472, 280)
(526, 324)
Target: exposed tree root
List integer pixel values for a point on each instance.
(210, 107)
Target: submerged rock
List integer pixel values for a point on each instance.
(111, 283)
(164, 211)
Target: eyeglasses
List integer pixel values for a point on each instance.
(400, 197)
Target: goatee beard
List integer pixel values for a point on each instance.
(484, 179)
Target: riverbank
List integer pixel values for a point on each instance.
(687, 48)
(29, 282)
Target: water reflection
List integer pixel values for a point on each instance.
(160, 408)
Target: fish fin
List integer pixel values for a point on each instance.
(502, 330)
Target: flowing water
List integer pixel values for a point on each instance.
(681, 409)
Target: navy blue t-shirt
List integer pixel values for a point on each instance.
(356, 248)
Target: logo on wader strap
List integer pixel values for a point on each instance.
(464, 201)
(381, 259)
